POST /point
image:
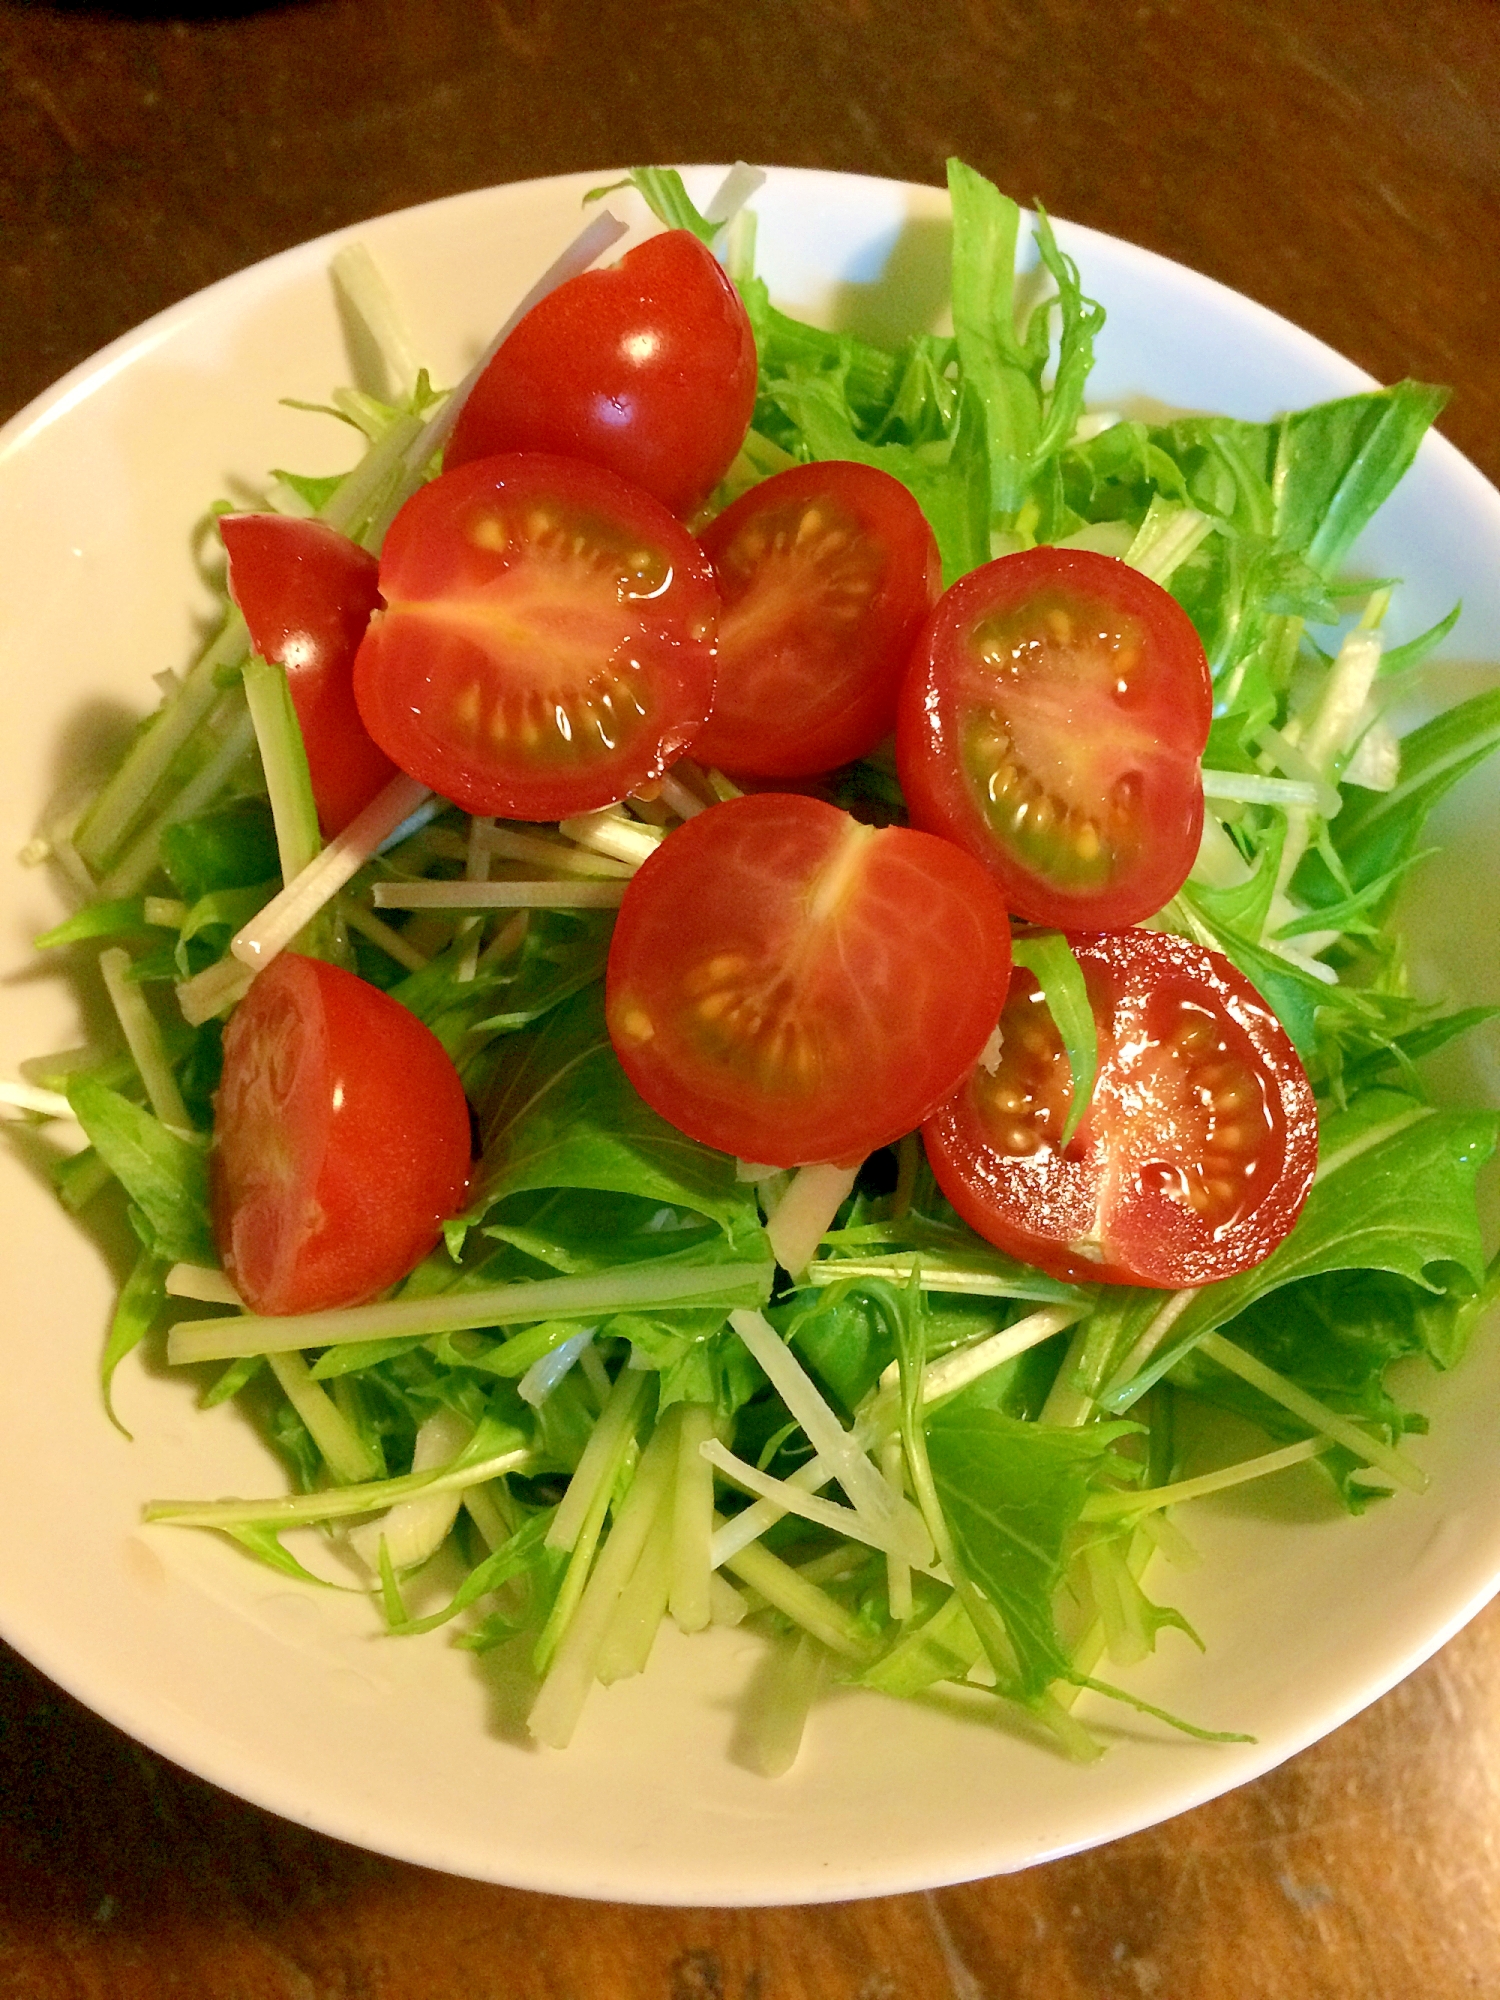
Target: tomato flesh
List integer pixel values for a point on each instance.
(547, 642)
(341, 1140)
(307, 594)
(1197, 1150)
(1053, 724)
(793, 987)
(827, 572)
(647, 368)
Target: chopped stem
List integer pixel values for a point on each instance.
(499, 895)
(1144, 1500)
(341, 1503)
(601, 1457)
(559, 1703)
(803, 1602)
(1342, 1430)
(798, 1220)
(126, 795)
(346, 1454)
(284, 916)
(143, 1038)
(692, 1520)
(136, 865)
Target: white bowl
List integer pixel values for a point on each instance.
(288, 1695)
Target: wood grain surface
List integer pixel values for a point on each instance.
(1338, 160)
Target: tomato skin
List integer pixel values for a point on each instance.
(827, 572)
(547, 642)
(647, 368)
(1198, 1148)
(793, 987)
(341, 1140)
(1053, 723)
(307, 593)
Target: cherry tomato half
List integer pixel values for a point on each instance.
(826, 572)
(547, 642)
(794, 987)
(647, 368)
(341, 1140)
(1052, 724)
(1197, 1150)
(307, 593)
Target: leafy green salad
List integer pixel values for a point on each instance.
(602, 1402)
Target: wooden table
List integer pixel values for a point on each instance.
(1340, 162)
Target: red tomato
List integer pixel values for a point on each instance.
(1052, 724)
(1198, 1148)
(341, 1140)
(826, 572)
(547, 644)
(307, 593)
(791, 986)
(647, 368)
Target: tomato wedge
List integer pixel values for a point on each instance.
(647, 368)
(1197, 1150)
(341, 1140)
(307, 593)
(1053, 724)
(827, 572)
(547, 642)
(793, 987)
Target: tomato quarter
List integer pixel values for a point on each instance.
(547, 642)
(1053, 724)
(1197, 1150)
(827, 572)
(791, 986)
(341, 1140)
(307, 593)
(647, 368)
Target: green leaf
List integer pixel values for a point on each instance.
(124, 917)
(1376, 832)
(165, 1177)
(1395, 1193)
(1050, 961)
(1012, 1492)
(141, 1299)
(563, 1114)
(231, 848)
(1337, 462)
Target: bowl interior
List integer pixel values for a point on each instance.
(289, 1696)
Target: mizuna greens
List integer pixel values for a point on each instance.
(603, 1399)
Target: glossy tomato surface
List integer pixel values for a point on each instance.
(1053, 724)
(1197, 1150)
(792, 987)
(341, 1140)
(827, 572)
(547, 641)
(647, 368)
(307, 593)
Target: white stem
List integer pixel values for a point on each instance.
(143, 1038)
(285, 915)
(796, 1225)
(499, 895)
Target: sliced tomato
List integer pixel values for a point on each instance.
(1053, 724)
(793, 987)
(307, 593)
(647, 368)
(827, 572)
(1197, 1150)
(341, 1140)
(547, 642)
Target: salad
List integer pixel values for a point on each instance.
(624, 1384)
